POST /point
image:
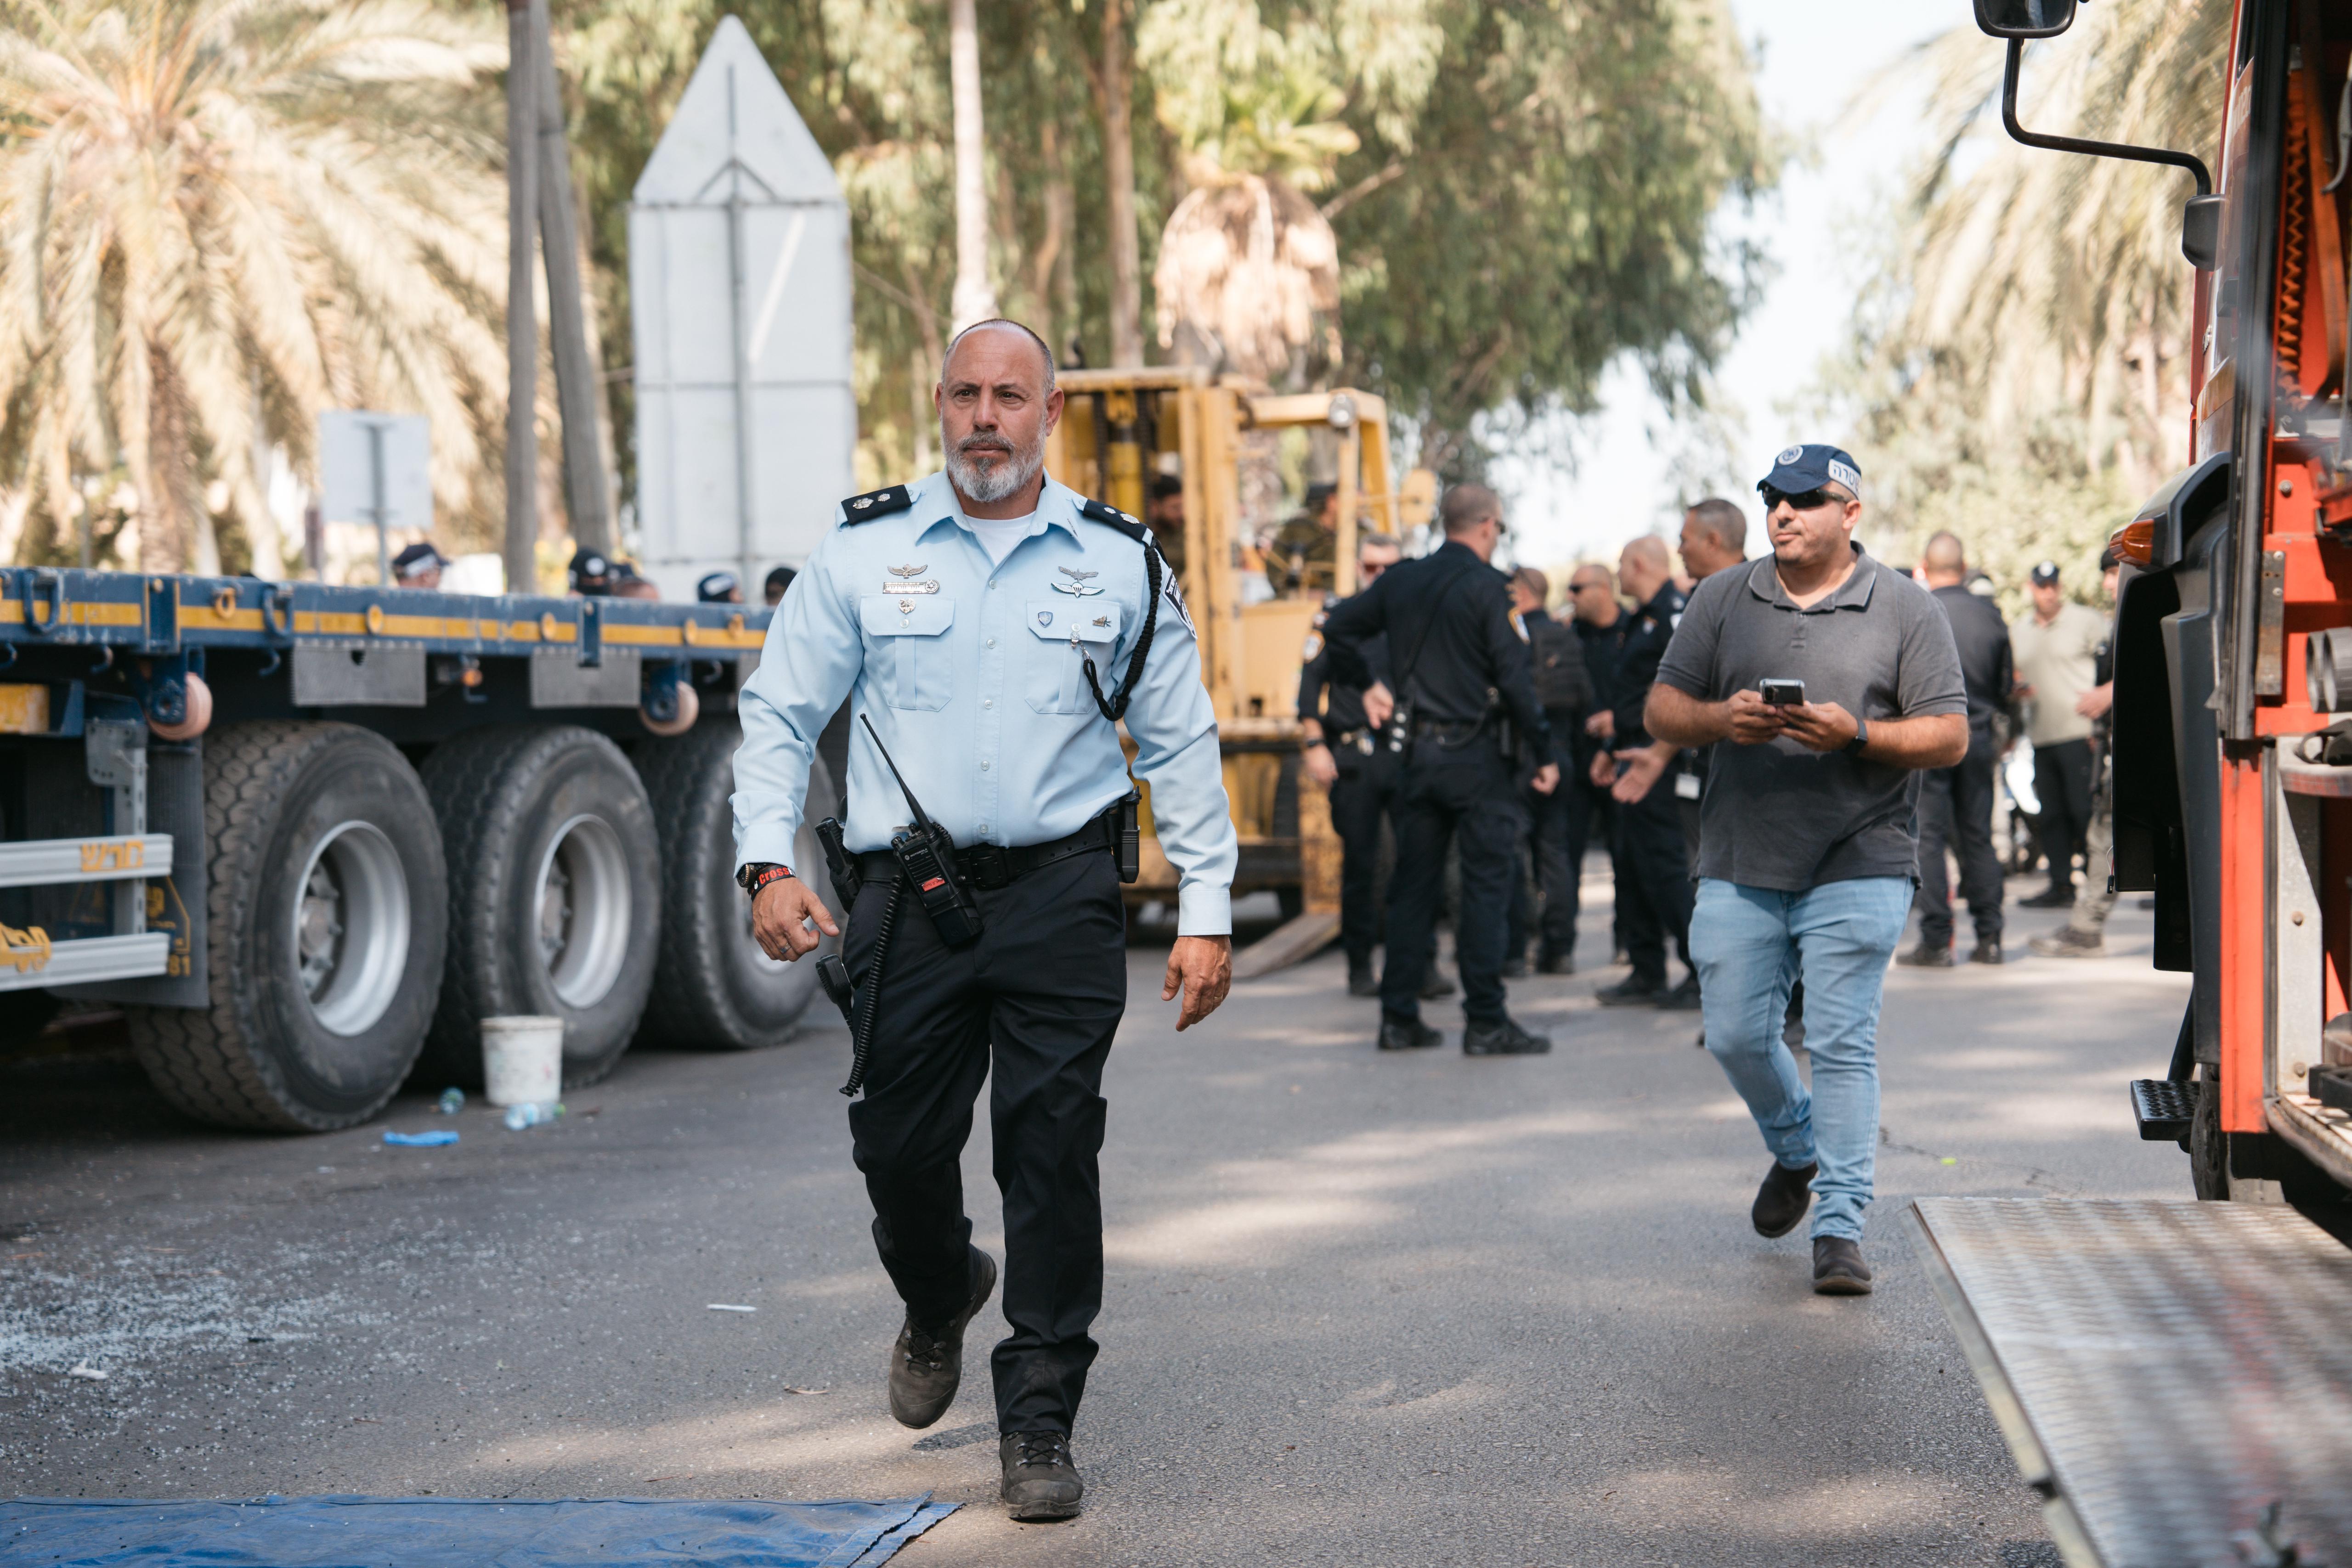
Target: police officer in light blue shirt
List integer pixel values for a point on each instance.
(990, 625)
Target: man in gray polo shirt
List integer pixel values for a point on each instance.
(1809, 836)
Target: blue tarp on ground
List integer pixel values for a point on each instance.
(458, 1532)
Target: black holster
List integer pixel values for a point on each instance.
(840, 864)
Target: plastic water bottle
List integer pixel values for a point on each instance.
(519, 1117)
(452, 1102)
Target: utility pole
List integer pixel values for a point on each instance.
(522, 325)
(974, 300)
(578, 385)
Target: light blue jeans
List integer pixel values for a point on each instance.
(1750, 944)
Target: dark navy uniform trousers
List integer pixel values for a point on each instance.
(1470, 796)
(1036, 1000)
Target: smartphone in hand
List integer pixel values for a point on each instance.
(1783, 692)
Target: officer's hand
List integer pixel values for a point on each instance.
(1604, 769)
(1546, 778)
(1379, 703)
(1819, 726)
(1636, 773)
(1602, 724)
(780, 917)
(1203, 968)
(2097, 701)
(1754, 720)
(1319, 764)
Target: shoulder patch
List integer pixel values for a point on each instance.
(1104, 513)
(877, 503)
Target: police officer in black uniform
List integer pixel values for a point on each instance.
(1346, 755)
(1654, 884)
(1466, 701)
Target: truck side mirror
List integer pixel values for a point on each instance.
(2200, 231)
(2025, 18)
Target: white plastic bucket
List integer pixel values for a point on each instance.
(523, 1061)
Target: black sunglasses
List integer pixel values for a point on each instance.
(1803, 500)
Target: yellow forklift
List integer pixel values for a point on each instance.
(1123, 428)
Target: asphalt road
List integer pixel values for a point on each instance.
(1360, 1310)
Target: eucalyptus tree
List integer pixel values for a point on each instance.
(1473, 202)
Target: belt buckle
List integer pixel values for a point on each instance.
(987, 865)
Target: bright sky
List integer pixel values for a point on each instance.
(1601, 481)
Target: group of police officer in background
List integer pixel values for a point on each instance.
(1443, 698)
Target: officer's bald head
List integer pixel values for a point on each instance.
(1944, 561)
(1467, 506)
(1648, 553)
(1000, 324)
(1644, 566)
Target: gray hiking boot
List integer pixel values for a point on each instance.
(927, 1363)
(1041, 1479)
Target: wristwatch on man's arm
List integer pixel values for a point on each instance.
(1861, 736)
(757, 874)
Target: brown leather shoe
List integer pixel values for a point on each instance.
(926, 1364)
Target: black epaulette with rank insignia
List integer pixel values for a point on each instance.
(1102, 512)
(877, 504)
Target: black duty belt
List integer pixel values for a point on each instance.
(992, 866)
(1446, 733)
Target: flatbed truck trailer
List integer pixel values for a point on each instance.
(309, 837)
(2174, 1378)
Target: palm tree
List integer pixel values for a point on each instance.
(1248, 277)
(2035, 315)
(220, 217)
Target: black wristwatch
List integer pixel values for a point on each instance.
(753, 874)
(1861, 736)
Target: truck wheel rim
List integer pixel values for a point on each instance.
(582, 907)
(350, 927)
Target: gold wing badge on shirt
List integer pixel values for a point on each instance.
(1077, 586)
(902, 586)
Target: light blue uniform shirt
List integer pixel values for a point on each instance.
(975, 685)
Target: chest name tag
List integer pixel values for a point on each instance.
(1686, 786)
(930, 586)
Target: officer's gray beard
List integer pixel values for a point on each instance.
(994, 483)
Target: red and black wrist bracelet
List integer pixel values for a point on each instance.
(765, 876)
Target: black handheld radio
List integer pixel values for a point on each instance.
(927, 860)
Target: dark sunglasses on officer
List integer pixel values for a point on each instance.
(1802, 501)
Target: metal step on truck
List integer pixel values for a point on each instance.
(309, 837)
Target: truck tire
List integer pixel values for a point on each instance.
(2208, 1147)
(714, 989)
(554, 893)
(327, 911)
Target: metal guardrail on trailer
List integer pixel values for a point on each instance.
(308, 834)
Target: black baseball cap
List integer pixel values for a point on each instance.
(2046, 573)
(418, 558)
(589, 566)
(715, 586)
(1811, 465)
